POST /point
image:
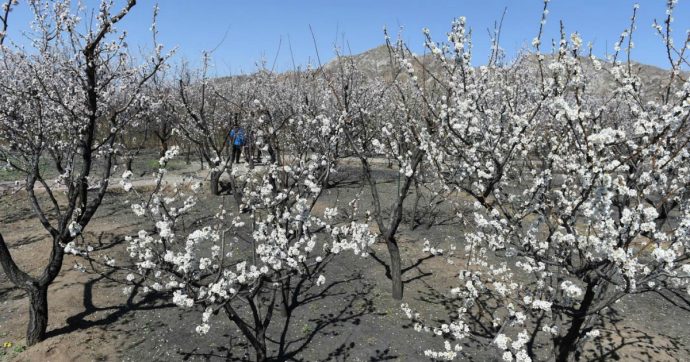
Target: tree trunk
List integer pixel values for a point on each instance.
(284, 298)
(256, 335)
(260, 346)
(38, 315)
(215, 182)
(396, 269)
(37, 291)
(413, 218)
(128, 166)
(249, 154)
(568, 344)
(164, 147)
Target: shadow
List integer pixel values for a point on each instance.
(480, 322)
(19, 214)
(10, 293)
(677, 299)
(100, 245)
(343, 184)
(108, 212)
(80, 320)
(428, 212)
(26, 241)
(620, 342)
(354, 300)
(414, 266)
(383, 355)
(344, 179)
(313, 314)
(222, 352)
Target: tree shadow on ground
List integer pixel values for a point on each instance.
(619, 341)
(222, 352)
(27, 241)
(352, 295)
(351, 177)
(16, 215)
(414, 266)
(101, 241)
(481, 329)
(10, 292)
(81, 321)
(312, 313)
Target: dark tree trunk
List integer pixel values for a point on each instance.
(215, 182)
(164, 147)
(396, 269)
(128, 165)
(418, 196)
(38, 315)
(284, 307)
(36, 289)
(256, 335)
(249, 155)
(260, 345)
(273, 153)
(567, 345)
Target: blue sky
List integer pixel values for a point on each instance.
(256, 28)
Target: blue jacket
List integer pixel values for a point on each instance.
(237, 137)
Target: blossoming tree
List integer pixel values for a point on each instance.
(382, 121)
(578, 200)
(64, 105)
(244, 264)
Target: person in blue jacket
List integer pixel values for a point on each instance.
(237, 137)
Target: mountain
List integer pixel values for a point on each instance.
(376, 63)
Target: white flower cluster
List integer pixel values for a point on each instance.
(126, 182)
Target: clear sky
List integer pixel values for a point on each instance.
(249, 31)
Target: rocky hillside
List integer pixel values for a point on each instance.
(376, 63)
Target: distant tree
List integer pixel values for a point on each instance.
(164, 123)
(209, 109)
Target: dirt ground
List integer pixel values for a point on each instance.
(350, 318)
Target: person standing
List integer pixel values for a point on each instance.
(237, 137)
